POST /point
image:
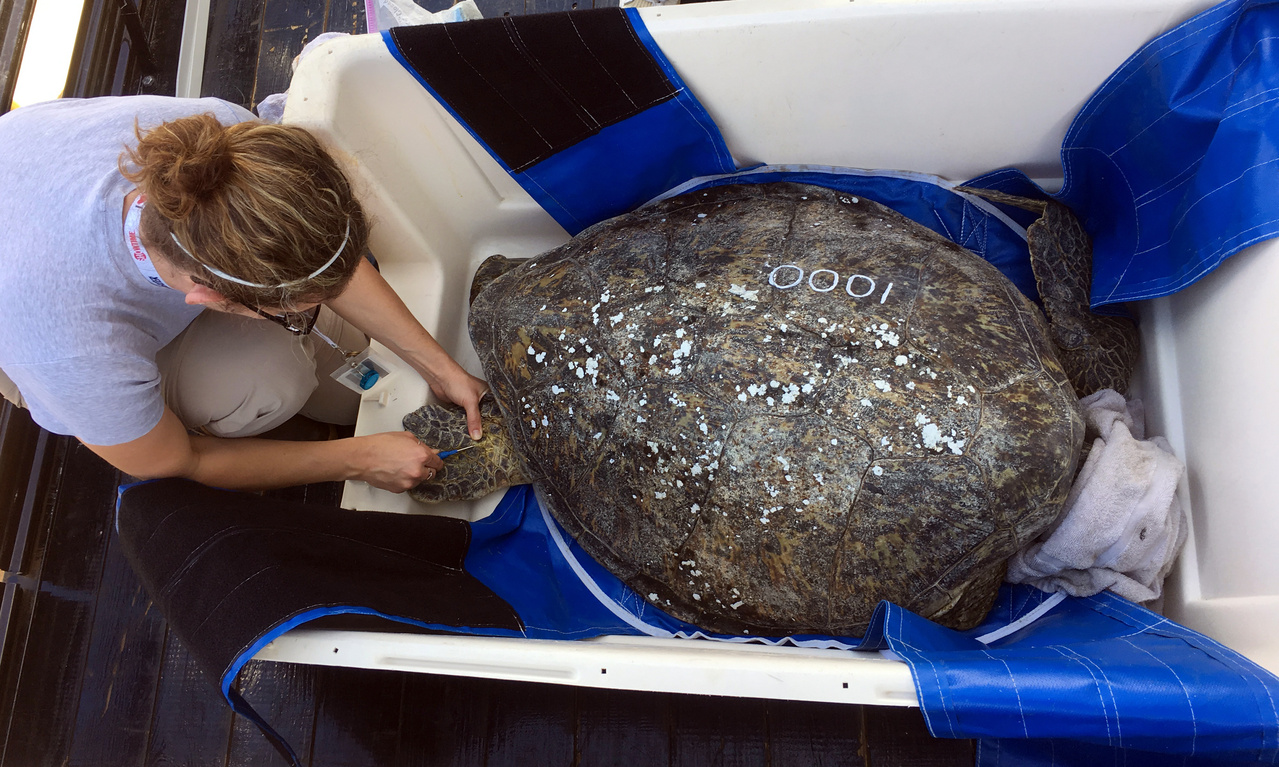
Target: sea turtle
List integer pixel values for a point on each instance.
(766, 407)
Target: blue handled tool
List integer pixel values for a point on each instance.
(447, 453)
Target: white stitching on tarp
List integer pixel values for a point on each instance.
(602, 68)
(1194, 723)
(1089, 665)
(449, 36)
(1231, 74)
(1021, 712)
(513, 33)
(1203, 197)
(1103, 94)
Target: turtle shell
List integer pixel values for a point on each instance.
(767, 407)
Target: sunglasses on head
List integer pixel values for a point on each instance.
(297, 323)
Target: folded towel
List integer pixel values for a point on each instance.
(1122, 525)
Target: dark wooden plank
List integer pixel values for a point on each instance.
(122, 672)
(724, 732)
(48, 687)
(494, 8)
(284, 695)
(532, 724)
(287, 26)
(898, 737)
(163, 24)
(357, 717)
(802, 734)
(191, 724)
(445, 721)
(345, 16)
(230, 53)
(616, 727)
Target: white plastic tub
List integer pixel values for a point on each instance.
(950, 87)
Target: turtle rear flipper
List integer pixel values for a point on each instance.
(1096, 351)
(471, 474)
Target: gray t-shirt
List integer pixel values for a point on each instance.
(79, 324)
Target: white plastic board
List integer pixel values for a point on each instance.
(950, 87)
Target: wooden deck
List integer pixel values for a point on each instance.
(90, 675)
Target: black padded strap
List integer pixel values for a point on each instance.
(532, 86)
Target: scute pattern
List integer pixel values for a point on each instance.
(767, 407)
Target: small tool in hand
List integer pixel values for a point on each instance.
(447, 453)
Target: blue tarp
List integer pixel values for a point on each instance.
(1172, 163)
(1044, 668)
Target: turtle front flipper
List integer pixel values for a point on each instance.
(1096, 351)
(472, 474)
(492, 268)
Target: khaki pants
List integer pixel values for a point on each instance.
(233, 376)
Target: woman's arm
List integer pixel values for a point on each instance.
(393, 461)
(371, 305)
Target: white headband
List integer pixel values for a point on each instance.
(238, 281)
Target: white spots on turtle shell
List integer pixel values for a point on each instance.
(783, 327)
(606, 297)
(545, 422)
(882, 385)
(739, 290)
(910, 385)
(611, 395)
(756, 389)
(652, 446)
(652, 597)
(616, 318)
(599, 434)
(655, 289)
(700, 285)
(930, 435)
(581, 373)
(901, 359)
(834, 442)
(971, 390)
(540, 357)
(702, 428)
(878, 471)
(652, 360)
(960, 400)
(557, 390)
(742, 396)
(697, 597)
(660, 496)
(532, 351)
(701, 215)
(640, 419)
(790, 394)
(737, 604)
(885, 441)
(784, 462)
(688, 563)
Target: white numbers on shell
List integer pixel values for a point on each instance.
(834, 280)
(818, 285)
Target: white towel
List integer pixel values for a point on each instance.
(1122, 526)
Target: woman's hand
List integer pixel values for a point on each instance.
(395, 461)
(464, 390)
(371, 305)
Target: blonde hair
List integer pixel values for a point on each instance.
(261, 203)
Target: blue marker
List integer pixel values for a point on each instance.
(447, 453)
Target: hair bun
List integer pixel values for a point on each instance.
(183, 162)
